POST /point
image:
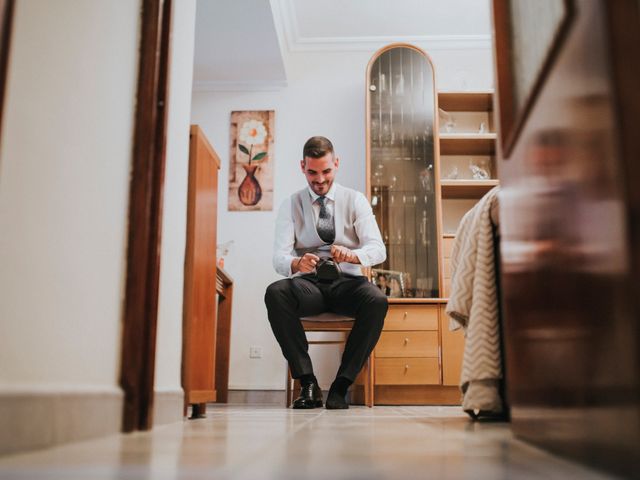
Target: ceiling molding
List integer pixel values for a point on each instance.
(240, 86)
(428, 42)
(287, 26)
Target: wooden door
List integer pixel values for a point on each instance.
(199, 321)
(138, 356)
(570, 220)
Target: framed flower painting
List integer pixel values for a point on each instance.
(251, 160)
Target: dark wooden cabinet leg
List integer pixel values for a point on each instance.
(198, 410)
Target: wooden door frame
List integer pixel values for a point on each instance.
(145, 217)
(7, 8)
(623, 18)
(511, 119)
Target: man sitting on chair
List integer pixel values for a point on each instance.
(325, 221)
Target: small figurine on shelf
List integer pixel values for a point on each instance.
(452, 174)
(222, 249)
(425, 178)
(448, 120)
(479, 169)
(483, 128)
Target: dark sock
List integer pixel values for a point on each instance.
(307, 379)
(340, 386)
(337, 394)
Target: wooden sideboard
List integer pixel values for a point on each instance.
(199, 306)
(224, 290)
(417, 359)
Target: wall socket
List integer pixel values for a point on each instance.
(255, 351)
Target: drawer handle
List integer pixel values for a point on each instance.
(405, 315)
(406, 341)
(406, 367)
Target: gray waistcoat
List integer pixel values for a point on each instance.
(307, 238)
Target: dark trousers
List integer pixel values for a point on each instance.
(289, 299)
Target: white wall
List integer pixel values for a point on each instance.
(325, 96)
(174, 222)
(64, 183)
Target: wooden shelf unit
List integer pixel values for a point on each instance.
(466, 188)
(418, 360)
(464, 144)
(467, 143)
(479, 101)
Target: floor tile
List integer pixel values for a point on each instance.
(253, 442)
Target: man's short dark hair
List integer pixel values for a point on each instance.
(317, 147)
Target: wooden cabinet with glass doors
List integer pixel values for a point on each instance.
(417, 359)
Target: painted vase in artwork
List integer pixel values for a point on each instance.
(249, 190)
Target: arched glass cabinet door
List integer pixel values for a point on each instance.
(402, 171)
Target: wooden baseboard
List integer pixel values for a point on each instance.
(257, 397)
(411, 395)
(34, 418)
(385, 395)
(168, 406)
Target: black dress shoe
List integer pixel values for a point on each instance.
(310, 397)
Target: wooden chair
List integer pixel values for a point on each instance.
(332, 322)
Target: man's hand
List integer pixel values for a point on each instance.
(343, 254)
(305, 264)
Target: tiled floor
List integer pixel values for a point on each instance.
(253, 443)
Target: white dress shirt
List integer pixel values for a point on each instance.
(371, 250)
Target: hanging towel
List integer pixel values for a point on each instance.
(473, 306)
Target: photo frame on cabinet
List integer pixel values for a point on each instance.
(390, 282)
(528, 36)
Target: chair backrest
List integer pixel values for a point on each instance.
(327, 322)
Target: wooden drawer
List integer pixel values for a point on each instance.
(407, 344)
(411, 317)
(447, 246)
(407, 371)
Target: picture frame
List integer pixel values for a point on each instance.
(251, 160)
(391, 282)
(528, 37)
